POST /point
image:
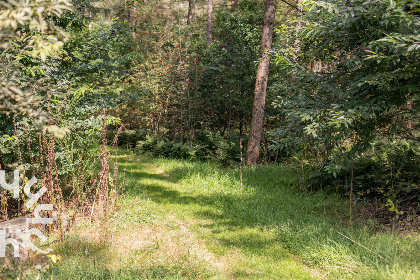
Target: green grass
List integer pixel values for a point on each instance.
(191, 220)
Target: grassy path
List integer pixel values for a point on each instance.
(184, 220)
(182, 228)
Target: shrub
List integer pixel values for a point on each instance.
(390, 172)
(209, 147)
(128, 138)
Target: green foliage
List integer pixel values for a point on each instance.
(365, 75)
(58, 73)
(207, 147)
(128, 138)
(351, 73)
(229, 65)
(170, 149)
(27, 34)
(7, 149)
(99, 57)
(389, 173)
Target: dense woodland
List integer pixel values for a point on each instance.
(328, 88)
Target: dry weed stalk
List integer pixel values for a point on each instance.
(106, 188)
(105, 197)
(98, 196)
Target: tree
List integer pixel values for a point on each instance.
(27, 33)
(253, 148)
(226, 83)
(369, 53)
(191, 11)
(209, 21)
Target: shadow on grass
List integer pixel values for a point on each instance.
(82, 259)
(265, 217)
(305, 224)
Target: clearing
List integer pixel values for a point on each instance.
(191, 220)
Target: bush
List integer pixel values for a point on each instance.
(209, 147)
(390, 172)
(128, 138)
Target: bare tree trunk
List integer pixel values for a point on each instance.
(253, 148)
(408, 123)
(233, 5)
(133, 18)
(240, 150)
(229, 118)
(181, 123)
(191, 12)
(132, 11)
(296, 44)
(91, 23)
(298, 25)
(209, 22)
(127, 12)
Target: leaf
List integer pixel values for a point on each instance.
(54, 258)
(411, 48)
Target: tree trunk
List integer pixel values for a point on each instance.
(209, 22)
(191, 12)
(233, 5)
(133, 18)
(298, 25)
(297, 42)
(253, 148)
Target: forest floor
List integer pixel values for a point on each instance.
(191, 220)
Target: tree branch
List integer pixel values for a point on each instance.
(291, 5)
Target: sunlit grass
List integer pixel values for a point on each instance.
(191, 220)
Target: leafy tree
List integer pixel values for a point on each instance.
(27, 32)
(253, 149)
(355, 75)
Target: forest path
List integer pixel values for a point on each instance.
(177, 219)
(174, 228)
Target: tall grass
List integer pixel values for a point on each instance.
(311, 226)
(192, 220)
